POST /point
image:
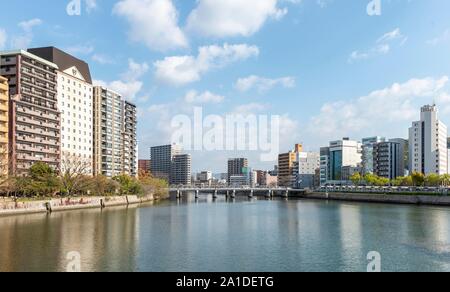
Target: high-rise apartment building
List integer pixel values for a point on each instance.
(108, 132)
(161, 160)
(34, 128)
(286, 175)
(339, 154)
(130, 151)
(428, 143)
(75, 101)
(181, 170)
(4, 128)
(367, 153)
(388, 160)
(237, 167)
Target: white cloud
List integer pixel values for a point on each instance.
(3, 38)
(152, 22)
(263, 84)
(227, 18)
(181, 70)
(194, 97)
(130, 85)
(91, 5)
(444, 37)
(379, 112)
(23, 41)
(102, 59)
(382, 46)
(250, 108)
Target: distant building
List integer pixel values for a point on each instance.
(286, 172)
(305, 169)
(389, 160)
(236, 167)
(144, 165)
(349, 171)
(238, 181)
(205, 176)
(428, 143)
(181, 170)
(161, 160)
(367, 153)
(340, 154)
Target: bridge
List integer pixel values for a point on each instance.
(231, 192)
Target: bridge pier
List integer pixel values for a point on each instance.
(286, 194)
(178, 194)
(197, 193)
(251, 194)
(269, 194)
(215, 194)
(233, 195)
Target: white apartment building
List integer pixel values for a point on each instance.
(75, 102)
(428, 151)
(305, 169)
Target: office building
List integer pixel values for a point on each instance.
(305, 168)
(389, 160)
(286, 175)
(428, 143)
(108, 132)
(161, 160)
(4, 126)
(237, 167)
(181, 170)
(339, 154)
(204, 177)
(130, 146)
(75, 101)
(367, 153)
(34, 122)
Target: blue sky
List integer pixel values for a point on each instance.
(327, 67)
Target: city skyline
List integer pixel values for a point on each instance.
(377, 69)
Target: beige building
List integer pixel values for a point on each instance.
(286, 161)
(34, 134)
(4, 127)
(108, 135)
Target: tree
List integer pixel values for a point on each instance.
(433, 180)
(445, 180)
(128, 185)
(152, 185)
(41, 180)
(73, 174)
(356, 178)
(418, 179)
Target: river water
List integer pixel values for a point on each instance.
(240, 235)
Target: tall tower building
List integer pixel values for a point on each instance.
(4, 129)
(367, 153)
(428, 143)
(130, 151)
(161, 160)
(108, 132)
(75, 101)
(34, 128)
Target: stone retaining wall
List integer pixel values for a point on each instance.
(9, 207)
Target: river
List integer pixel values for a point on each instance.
(241, 235)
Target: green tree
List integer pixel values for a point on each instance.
(41, 180)
(445, 180)
(128, 185)
(433, 180)
(418, 179)
(356, 178)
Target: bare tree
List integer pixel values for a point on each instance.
(74, 173)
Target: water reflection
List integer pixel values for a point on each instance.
(241, 234)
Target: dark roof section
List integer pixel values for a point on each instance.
(63, 60)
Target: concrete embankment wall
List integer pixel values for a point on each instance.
(382, 198)
(9, 207)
